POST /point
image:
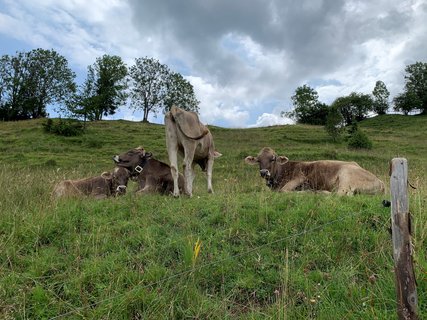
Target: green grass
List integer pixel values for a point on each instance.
(263, 254)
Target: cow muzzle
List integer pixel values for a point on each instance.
(121, 189)
(264, 173)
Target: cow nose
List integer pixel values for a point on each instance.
(264, 173)
(121, 189)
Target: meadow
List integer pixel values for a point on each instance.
(243, 252)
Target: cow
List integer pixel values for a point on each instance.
(153, 176)
(186, 135)
(344, 178)
(103, 186)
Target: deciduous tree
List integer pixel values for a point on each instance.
(31, 81)
(307, 108)
(381, 96)
(104, 89)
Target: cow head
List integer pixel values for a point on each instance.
(133, 160)
(267, 161)
(117, 180)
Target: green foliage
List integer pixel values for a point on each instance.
(381, 95)
(180, 92)
(307, 108)
(359, 140)
(334, 124)
(407, 102)
(354, 107)
(66, 128)
(416, 82)
(32, 80)
(263, 254)
(155, 87)
(103, 91)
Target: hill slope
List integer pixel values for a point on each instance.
(262, 254)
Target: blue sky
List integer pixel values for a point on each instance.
(244, 58)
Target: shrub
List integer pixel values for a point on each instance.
(359, 140)
(67, 128)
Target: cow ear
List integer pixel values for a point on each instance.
(251, 160)
(217, 154)
(116, 159)
(148, 155)
(282, 159)
(107, 175)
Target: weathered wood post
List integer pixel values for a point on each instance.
(406, 289)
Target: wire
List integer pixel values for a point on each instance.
(207, 264)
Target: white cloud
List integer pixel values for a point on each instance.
(269, 119)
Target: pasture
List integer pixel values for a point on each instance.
(243, 252)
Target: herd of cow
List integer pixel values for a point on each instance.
(186, 135)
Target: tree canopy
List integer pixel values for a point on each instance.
(103, 91)
(155, 87)
(381, 95)
(354, 107)
(307, 108)
(416, 83)
(32, 80)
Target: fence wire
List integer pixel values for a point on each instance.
(206, 264)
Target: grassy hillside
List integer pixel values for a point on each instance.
(263, 254)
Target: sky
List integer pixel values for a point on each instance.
(244, 58)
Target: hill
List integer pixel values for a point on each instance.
(263, 254)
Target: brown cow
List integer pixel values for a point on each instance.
(193, 140)
(152, 175)
(344, 178)
(106, 185)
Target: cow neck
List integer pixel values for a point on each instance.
(275, 180)
(139, 168)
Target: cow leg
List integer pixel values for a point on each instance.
(188, 168)
(172, 147)
(293, 184)
(209, 168)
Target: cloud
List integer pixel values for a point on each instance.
(269, 119)
(244, 59)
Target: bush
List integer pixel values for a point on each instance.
(359, 140)
(67, 128)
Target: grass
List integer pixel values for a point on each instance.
(262, 254)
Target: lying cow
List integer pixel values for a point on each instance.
(106, 185)
(193, 140)
(152, 175)
(344, 178)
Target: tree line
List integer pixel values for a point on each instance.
(30, 81)
(357, 106)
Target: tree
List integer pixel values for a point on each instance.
(149, 78)
(103, 91)
(334, 123)
(180, 92)
(354, 107)
(156, 88)
(407, 102)
(381, 95)
(416, 83)
(31, 81)
(307, 108)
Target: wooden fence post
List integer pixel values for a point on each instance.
(406, 289)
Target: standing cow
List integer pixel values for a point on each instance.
(344, 178)
(193, 140)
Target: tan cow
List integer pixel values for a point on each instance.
(103, 186)
(186, 135)
(153, 176)
(344, 178)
